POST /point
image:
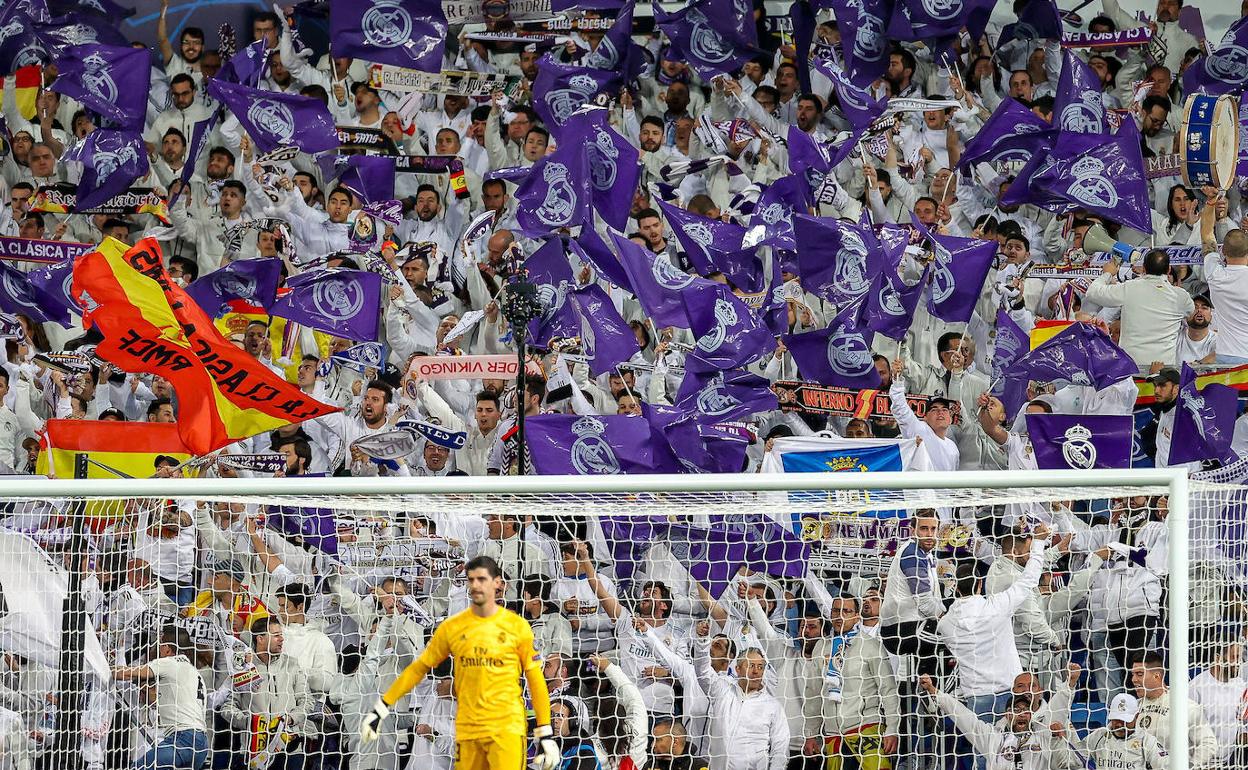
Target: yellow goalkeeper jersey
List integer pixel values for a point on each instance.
(490, 655)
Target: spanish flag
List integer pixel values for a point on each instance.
(242, 313)
(1046, 330)
(26, 84)
(1235, 377)
(150, 324)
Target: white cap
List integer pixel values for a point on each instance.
(1123, 707)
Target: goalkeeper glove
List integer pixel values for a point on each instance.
(550, 750)
(371, 726)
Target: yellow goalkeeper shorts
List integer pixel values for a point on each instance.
(863, 746)
(497, 752)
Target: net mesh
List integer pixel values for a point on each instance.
(866, 628)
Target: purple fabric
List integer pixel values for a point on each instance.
(1081, 354)
(714, 246)
(617, 51)
(836, 260)
(19, 295)
(839, 355)
(890, 304)
(346, 303)
(370, 177)
(52, 283)
(74, 29)
(111, 162)
(1204, 421)
(591, 248)
(405, 33)
(1010, 344)
(1077, 105)
(21, 45)
(774, 549)
(959, 271)
(1225, 71)
(860, 107)
(729, 335)
(928, 20)
(614, 164)
(561, 89)
(657, 285)
(711, 558)
(775, 209)
(775, 310)
(864, 45)
(1038, 20)
(315, 527)
(251, 280)
(197, 142)
(605, 338)
(568, 444)
(725, 396)
(109, 80)
(1012, 132)
(1102, 174)
(247, 67)
(557, 192)
(1081, 441)
(548, 268)
(715, 37)
(275, 119)
(802, 19)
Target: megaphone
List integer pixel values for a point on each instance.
(1097, 239)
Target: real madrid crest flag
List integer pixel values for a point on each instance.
(110, 80)
(405, 33)
(152, 325)
(346, 303)
(274, 120)
(1081, 442)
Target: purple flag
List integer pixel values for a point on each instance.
(860, 107)
(657, 285)
(617, 51)
(775, 310)
(960, 269)
(251, 280)
(712, 558)
(1081, 354)
(1010, 343)
(838, 355)
(548, 268)
(561, 89)
(1204, 421)
(52, 283)
(18, 294)
(776, 206)
(890, 304)
(629, 537)
(614, 164)
(20, 46)
(605, 338)
(714, 246)
(75, 29)
(728, 334)
(1225, 71)
(863, 43)
(247, 67)
(1012, 132)
(1038, 20)
(802, 21)
(370, 177)
(198, 141)
(1077, 106)
(111, 162)
(725, 396)
(1100, 173)
(313, 527)
(346, 303)
(715, 37)
(406, 33)
(568, 444)
(556, 192)
(834, 258)
(105, 8)
(111, 81)
(591, 248)
(1081, 441)
(774, 549)
(275, 119)
(936, 19)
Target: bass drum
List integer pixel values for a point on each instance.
(1210, 148)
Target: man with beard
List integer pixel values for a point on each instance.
(298, 456)
(1198, 344)
(318, 232)
(1119, 744)
(798, 665)
(426, 222)
(183, 113)
(1176, 41)
(168, 166)
(481, 435)
(1019, 747)
(1159, 432)
(1154, 119)
(369, 420)
(186, 60)
(205, 233)
(1221, 692)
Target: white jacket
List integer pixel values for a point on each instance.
(749, 731)
(1154, 719)
(1153, 313)
(1002, 750)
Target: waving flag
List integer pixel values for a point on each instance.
(1038, 20)
(614, 164)
(1010, 343)
(774, 549)
(405, 33)
(711, 561)
(864, 45)
(694, 445)
(1225, 71)
(929, 20)
(252, 280)
(548, 268)
(369, 177)
(576, 445)
(657, 284)
(315, 527)
(714, 246)
(1081, 441)
(556, 193)
(561, 89)
(715, 37)
(617, 51)
(274, 120)
(839, 355)
(724, 396)
(346, 303)
(775, 209)
(1081, 354)
(1101, 173)
(590, 248)
(834, 258)
(1204, 421)
(73, 29)
(890, 304)
(111, 162)
(111, 81)
(1012, 132)
(18, 294)
(605, 338)
(247, 67)
(20, 46)
(151, 325)
(53, 284)
(860, 107)
(1077, 106)
(959, 271)
(728, 334)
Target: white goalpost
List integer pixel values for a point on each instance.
(155, 554)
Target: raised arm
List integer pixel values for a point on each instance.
(991, 417)
(609, 603)
(162, 33)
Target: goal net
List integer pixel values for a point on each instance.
(732, 622)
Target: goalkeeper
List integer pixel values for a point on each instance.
(491, 647)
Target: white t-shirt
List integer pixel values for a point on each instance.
(1228, 288)
(172, 558)
(1190, 351)
(179, 694)
(1225, 705)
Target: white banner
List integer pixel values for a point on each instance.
(453, 82)
(465, 367)
(476, 12)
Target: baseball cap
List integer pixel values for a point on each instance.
(1203, 298)
(1168, 374)
(231, 567)
(1123, 707)
(946, 403)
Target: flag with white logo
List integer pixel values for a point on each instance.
(346, 303)
(274, 120)
(406, 33)
(109, 80)
(1204, 421)
(1081, 441)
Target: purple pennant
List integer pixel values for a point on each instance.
(729, 335)
(776, 207)
(839, 355)
(724, 396)
(111, 162)
(557, 192)
(860, 107)
(1038, 20)
(561, 89)
(657, 285)
(1102, 174)
(108, 80)
(960, 269)
(346, 303)
(864, 45)
(370, 177)
(21, 46)
(1011, 133)
(52, 284)
(252, 280)
(247, 67)
(605, 338)
(890, 304)
(1081, 354)
(834, 258)
(313, 527)
(275, 119)
(405, 33)
(576, 445)
(714, 246)
(19, 295)
(1204, 421)
(548, 268)
(715, 37)
(1225, 71)
(1010, 343)
(1081, 441)
(1077, 106)
(617, 51)
(614, 164)
(592, 249)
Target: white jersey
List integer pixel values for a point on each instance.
(1138, 751)
(179, 694)
(636, 655)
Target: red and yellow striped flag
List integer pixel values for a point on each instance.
(152, 325)
(26, 84)
(1046, 330)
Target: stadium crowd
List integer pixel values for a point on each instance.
(1037, 640)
